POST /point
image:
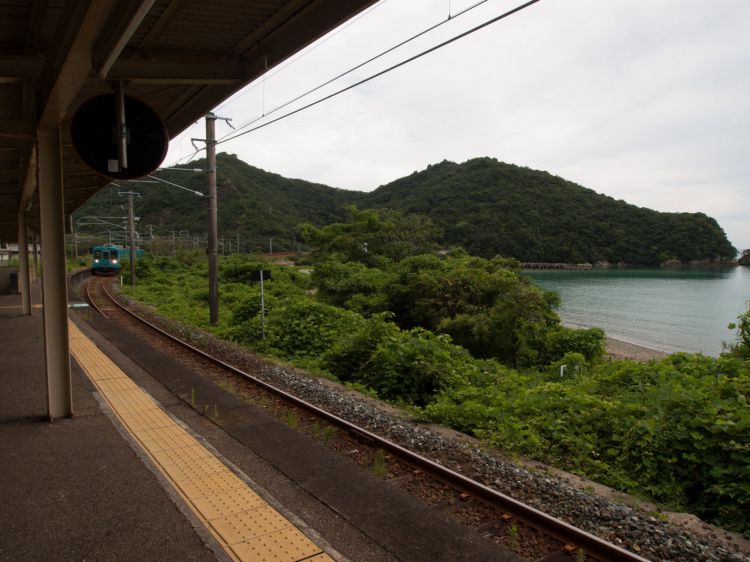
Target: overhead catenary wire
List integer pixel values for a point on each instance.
(305, 52)
(193, 191)
(360, 65)
(417, 35)
(385, 71)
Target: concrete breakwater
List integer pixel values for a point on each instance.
(561, 266)
(542, 266)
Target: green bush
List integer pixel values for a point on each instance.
(407, 366)
(350, 357)
(569, 365)
(302, 327)
(245, 321)
(412, 366)
(353, 285)
(588, 342)
(741, 347)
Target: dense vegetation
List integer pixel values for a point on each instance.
(484, 305)
(741, 346)
(254, 204)
(491, 208)
(487, 207)
(676, 430)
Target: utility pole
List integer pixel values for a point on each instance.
(131, 232)
(213, 219)
(262, 309)
(213, 235)
(212, 250)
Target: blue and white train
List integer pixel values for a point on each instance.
(107, 258)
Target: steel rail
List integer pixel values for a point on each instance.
(556, 528)
(91, 298)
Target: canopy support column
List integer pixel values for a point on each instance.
(54, 275)
(36, 258)
(23, 262)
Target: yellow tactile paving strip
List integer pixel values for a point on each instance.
(243, 523)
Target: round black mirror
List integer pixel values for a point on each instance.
(94, 134)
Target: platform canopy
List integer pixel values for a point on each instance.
(181, 57)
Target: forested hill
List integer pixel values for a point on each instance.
(254, 204)
(483, 205)
(492, 208)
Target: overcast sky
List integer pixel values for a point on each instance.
(643, 100)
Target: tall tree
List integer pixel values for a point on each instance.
(369, 236)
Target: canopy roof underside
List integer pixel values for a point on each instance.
(181, 57)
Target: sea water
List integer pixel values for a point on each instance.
(684, 309)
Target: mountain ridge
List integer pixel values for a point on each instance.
(489, 207)
(546, 218)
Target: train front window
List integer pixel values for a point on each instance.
(98, 255)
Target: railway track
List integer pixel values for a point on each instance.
(500, 513)
(98, 298)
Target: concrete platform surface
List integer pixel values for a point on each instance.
(74, 489)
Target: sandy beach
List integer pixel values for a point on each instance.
(618, 349)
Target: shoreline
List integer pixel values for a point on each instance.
(623, 350)
(618, 349)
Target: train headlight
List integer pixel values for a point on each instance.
(96, 261)
(114, 261)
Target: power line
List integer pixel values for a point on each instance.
(193, 191)
(382, 72)
(306, 52)
(360, 65)
(450, 18)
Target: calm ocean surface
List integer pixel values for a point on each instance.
(666, 309)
